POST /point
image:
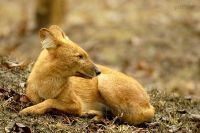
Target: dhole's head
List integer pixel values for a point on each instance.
(68, 56)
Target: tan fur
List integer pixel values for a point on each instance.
(54, 84)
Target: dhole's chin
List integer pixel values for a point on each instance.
(82, 75)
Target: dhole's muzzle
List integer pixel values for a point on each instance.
(89, 73)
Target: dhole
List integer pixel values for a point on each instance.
(64, 78)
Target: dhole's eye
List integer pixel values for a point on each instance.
(80, 56)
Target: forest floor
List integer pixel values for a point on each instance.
(157, 43)
(173, 114)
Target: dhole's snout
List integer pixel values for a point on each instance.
(93, 71)
(88, 72)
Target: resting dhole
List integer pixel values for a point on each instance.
(64, 78)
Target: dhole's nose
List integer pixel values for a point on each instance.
(97, 71)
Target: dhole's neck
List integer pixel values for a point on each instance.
(47, 64)
(47, 77)
(47, 67)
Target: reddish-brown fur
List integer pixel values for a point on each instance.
(64, 78)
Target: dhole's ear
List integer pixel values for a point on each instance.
(60, 34)
(47, 39)
(64, 36)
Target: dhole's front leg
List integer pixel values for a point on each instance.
(33, 96)
(72, 107)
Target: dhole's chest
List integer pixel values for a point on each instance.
(49, 94)
(48, 89)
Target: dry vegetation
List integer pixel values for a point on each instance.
(158, 43)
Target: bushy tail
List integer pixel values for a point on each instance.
(139, 115)
(149, 113)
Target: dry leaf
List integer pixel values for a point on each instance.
(194, 117)
(17, 127)
(23, 85)
(22, 65)
(9, 127)
(183, 111)
(24, 99)
(174, 128)
(142, 65)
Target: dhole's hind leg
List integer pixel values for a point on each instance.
(96, 115)
(127, 97)
(41, 108)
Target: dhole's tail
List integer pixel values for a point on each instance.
(149, 113)
(139, 115)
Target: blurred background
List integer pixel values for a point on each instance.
(157, 42)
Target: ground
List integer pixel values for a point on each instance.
(173, 114)
(157, 43)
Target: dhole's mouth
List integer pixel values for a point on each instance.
(83, 75)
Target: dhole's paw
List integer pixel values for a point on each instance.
(95, 116)
(97, 119)
(87, 115)
(30, 111)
